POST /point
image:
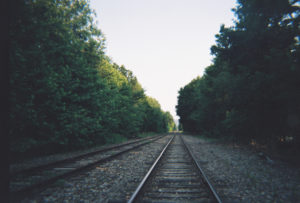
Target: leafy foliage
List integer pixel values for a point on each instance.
(251, 91)
(65, 92)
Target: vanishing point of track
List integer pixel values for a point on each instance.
(175, 176)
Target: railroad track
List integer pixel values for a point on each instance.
(175, 176)
(25, 182)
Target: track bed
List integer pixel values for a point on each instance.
(176, 178)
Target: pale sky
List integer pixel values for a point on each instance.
(165, 43)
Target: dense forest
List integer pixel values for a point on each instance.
(65, 92)
(251, 92)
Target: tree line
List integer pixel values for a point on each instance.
(65, 92)
(251, 92)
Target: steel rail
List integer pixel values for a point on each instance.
(138, 189)
(20, 194)
(216, 196)
(53, 163)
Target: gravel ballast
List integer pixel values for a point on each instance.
(33, 162)
(113, 181)
(242, 175)
(238, 174)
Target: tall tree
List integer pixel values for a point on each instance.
(251, 91)
(54, 52)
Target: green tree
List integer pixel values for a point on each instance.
(65, 92)
(251, 90)
(56, 96)
(169, 122)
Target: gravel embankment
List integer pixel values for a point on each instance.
(109, 182)
(28, 163)
(241, 175)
